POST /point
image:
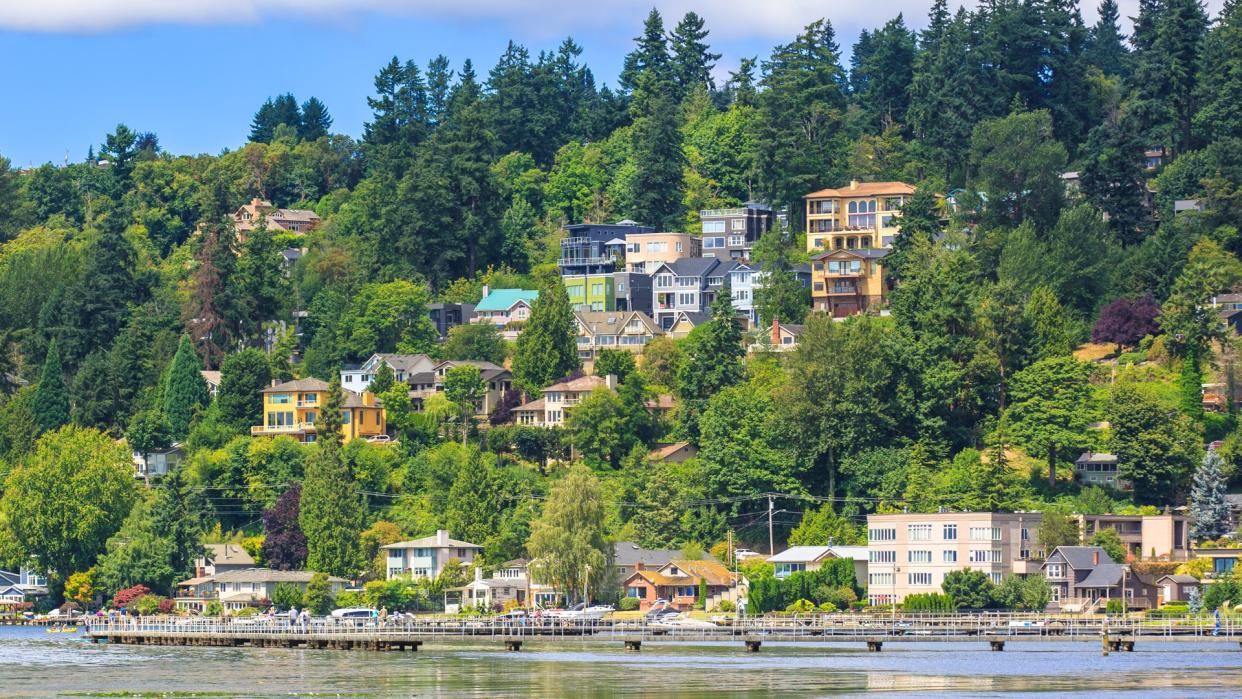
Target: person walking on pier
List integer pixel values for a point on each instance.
(304, 617)
(293, 617)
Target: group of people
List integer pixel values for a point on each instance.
(296, 619)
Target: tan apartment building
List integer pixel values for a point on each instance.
(849, 231)
(644, 252)
(1150, 537)
(911, 553)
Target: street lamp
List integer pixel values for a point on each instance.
(892, 600)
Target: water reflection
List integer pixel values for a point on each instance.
(34, 664)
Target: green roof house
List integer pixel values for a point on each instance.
(504, 306)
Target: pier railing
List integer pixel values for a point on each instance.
(817, 627)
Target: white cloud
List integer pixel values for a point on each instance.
(778, 19)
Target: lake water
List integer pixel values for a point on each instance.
(36, 664)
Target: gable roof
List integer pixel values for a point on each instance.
(432, 542)
(1104, 575)
(1096, 458)
(692, 266)
(1179, 579)
(668, 450)
(1082, 557)
(228, 554)
(579, 385)
(594, 321)
(865, 253)
(399, 362)
(694, 318)
(713, 572)
(801, 554)
(628, 553)
(309, 385)
(863, 189)
(504, 299)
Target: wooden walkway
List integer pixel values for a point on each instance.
(411, 634)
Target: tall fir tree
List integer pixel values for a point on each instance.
(51, 406)
(1209, 508)
(692, 59)
(713, 361)
(546, 349)
(179, 513)
(184, 389)
(331, 511)
(651, 54)
(315, 120)
(659, 158)
(1105, 47)
(1220, 78)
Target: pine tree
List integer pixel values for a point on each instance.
(1113, 179)
(383, 380)
(1220, 78)
(692, 59)
(184, 389)
(51, 406)
(651, 55)
(880, 76)
(1105, 49)
(713, 361)
(315, 120)
(331, 510)
(659, 158)
(1209, 509)
(178, 513)
(546, 349)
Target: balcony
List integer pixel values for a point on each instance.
(294, 428)
(308, 404)
(843, 290)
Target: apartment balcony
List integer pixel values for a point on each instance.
(295, 428)
(308, 404)
(842, 290)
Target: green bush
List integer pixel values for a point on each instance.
(726, 606)
(1115, 606)
(1131, 357)
(213, 608)
(802, 605)
(246, 612)
(927, 602)
(147, 605)
(827, 607)
(287, 596)
(628, 604)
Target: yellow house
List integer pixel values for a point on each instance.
(849, 231)
(292, 408)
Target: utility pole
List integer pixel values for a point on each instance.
(771, 540)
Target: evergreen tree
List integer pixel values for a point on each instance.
(713, 361)
(95, 401)
(178, 514)
(315, 120)
(110, 287)
(546, 349)
(1155, 451)
(1220, 78)
(1209, 509)
(148, 432)
(1105, 49)
(184, 390)
(1113, 179)
(942, 110)
(283, 110)
(881, 74)
(243, 376)
(651, 54)
(383, 380)
(692, 59)
(659, 158)
(51, 404)
(778, 295)
(331, 510)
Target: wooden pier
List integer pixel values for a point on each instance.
(987, 631)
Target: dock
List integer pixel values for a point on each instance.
(992, 632)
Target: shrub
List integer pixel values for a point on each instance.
(1114, 606)
(802, 605)
(318, 597)
(827, 607)
(628, 604)
(726, 606)
(213, 608)
(246, 612)
(928, 602)
(129, 595)
(147, 604)
(287, 596)
(167, 605)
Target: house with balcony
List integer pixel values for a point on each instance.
(687, 285)
(797, 559)
(1094, 468)
(678, 581)
(1163, 537)
(497, 381)
(746, 279)
(1224, 560)
(628, 331)
(646, 251)
(425, 557)
(730, 234)
(292, 409)
(358, 378)
(446, 316)
(1085, 578)
(277, 220)
(558, 399)
(848, 234)
(591, 254)
(511, 583)
(507, 309)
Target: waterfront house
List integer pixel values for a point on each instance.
(628, 331)
(1176, 588)
(628, 557)
(1224, 560)
(222, 558)
(497, 381)
(811, 558)
(730, 234)
(292, 408)
(1085, 578)
(678, 581)
(277, 220)
(249, 587)
(507, 309)
(21, 586)
(1092, 468)
(425, 557)
(1152, 537)
(358, 378)
(510, 584)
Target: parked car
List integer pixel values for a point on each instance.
(355, 613)
(743, 554)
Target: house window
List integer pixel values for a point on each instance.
(950, 556)
(1054, 570)
(685, 299)
(985, 534)
(664, 280)
(635, 592)
(882, 556)
(345, 417)
(280, 398)
(919, 532)
(657, 247)
(950, 532)
(921, 579)
(881, 534)
(679, 246)
(737, 241)
(632, 247)
(879, 579)
(687, 591)
(597, 289)
(715, 281)
(1224, 565)
(713, 226)
(985, 556)
(919, 556)
(738, 224)
(713, 242)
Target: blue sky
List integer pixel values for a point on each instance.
(194, 71)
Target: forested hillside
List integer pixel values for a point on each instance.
(1048, 157)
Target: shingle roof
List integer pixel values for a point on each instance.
(1083, 557)
(597, 321)
(1180, 579)
(713, 572)
(1104, 575)
(535, 405)
(228, 554)
(581, 384)
(693, 266)
(800, 554)
(628, 553)
(864, 189)
(867, 253)
(311, 384)
(1096, 458)
(405, 362)
(696, 318)
(669, 449)
(504, 299)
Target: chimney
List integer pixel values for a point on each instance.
(255, 202)
(1095, 557)
(478, 574)
(442, 537)
(610, 381)
(486, 291)
(853, 184)
(776, 331)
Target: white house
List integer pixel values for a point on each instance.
(159, 462)
(802, 558)
(357, 378)
(425, 557)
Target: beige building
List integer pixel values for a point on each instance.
(278, 220)
(552, 408)
(628, 331)
(911, 553)
(1150, 537)
(644, 252)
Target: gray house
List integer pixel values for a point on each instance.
(746, 278)
(729, 234)
(687, 285)
(1084, 578)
